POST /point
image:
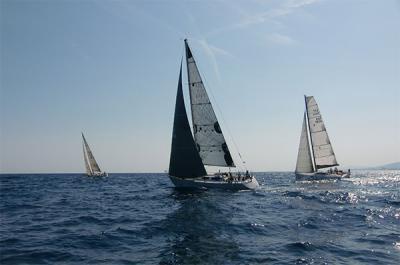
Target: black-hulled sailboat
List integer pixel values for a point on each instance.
(208, 147)
(92, 168)
(315, 149)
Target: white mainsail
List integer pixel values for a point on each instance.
(304, 162)
(92, 162)
(208, 136)
(322, 148)
(87, 166)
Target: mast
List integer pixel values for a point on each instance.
(208, 135)
(185, 161)
(309, 136)
(189, 54)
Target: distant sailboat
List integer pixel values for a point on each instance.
(315, 149)
(92, 168)
(208, 147)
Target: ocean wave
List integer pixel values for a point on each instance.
(142, 219)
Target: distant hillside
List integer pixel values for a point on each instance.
(395, 165)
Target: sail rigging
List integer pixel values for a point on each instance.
(321, 146)
(185, 161)
(208, 136)
(93, 166)
(304, 161)
(191, 151)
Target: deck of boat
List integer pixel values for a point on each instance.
(210, 182)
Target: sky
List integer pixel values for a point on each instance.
(110, 69)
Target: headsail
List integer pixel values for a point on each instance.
(88, 170)
(304, 162)
(208, 136)
(184, 160)
(322, 148)
(92, 162)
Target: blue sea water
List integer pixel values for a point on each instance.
(142, 219)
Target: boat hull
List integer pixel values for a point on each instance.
(100, 174)
(201, 183)
(320, 176)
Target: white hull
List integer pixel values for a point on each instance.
(99, 174)
(320, 176)
(204, 183)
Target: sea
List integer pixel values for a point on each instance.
(143, 219)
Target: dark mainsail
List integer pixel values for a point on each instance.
(184, 161)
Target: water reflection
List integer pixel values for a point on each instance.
(196, 230)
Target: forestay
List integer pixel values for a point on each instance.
(208, 135)
(304, 161)
(322, 148)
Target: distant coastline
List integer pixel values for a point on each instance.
(390, 166)
(395, 165)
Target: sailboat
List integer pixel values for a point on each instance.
(92, 168)
(315, 149)
(190, 155)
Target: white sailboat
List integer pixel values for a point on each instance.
(208, 147)
(315, 149)
(92, 168)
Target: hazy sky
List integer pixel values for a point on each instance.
(110, 69)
